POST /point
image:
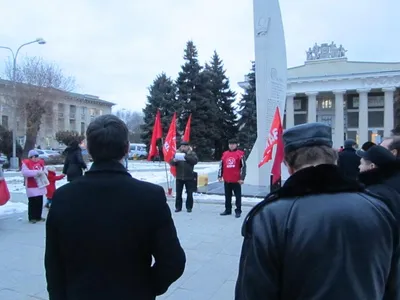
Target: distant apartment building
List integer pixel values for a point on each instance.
(64, 111)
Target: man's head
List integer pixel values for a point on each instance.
(367, 145)
(33, 155)
(184, 147)
(232, 144)
(107, 138)
(375, 157)
(392, 144)
(350, 144)
(308, 145)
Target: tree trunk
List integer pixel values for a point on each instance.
(34, 112)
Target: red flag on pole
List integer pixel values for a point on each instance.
(169, 147)
(157, 134)
(186, 135)
(279, 155)
(273, 138)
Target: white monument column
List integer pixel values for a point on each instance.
(388, 114)
(363, 115)
(338, 140)
(290, 110)
(271, 82)
(312, 107)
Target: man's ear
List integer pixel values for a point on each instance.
(395, 153)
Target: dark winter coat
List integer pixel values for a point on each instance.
(321, 237)
(185, 169)
(74, 163)
(101, 233)
(385, 181)
(349, 162)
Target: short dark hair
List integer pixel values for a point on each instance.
(367, 145)
(311, 155)
(107, 138)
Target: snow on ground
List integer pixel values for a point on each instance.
(12, 208)
(157, 175)
(214, 198)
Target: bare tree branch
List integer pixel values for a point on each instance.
(38, 83)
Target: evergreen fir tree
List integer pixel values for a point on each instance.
(194, 97)
(223, 97)
(248, 114)
(162, 96)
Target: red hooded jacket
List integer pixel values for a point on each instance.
(51, 188)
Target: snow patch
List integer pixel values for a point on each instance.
(12, 208)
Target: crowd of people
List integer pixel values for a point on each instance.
(330, 232)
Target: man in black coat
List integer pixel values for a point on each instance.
(322, 236)
(185, 176)
(104, 228)
(348, 161)
(380, 173)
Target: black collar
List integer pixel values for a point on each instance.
(112, 166)
(379, 175)
(321, 179)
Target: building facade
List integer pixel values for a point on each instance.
(355, 98)
(64, 111)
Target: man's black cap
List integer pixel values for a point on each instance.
(307, 135)
(378, 155)
(349, 143)
(184, 143)
(233, 141)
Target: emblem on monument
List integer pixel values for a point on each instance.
(262, 26)
(325, 51)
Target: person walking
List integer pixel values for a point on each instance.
(348, 161)
(104, 230)
(185, 176)
(74, 163)
(31, 169)
(322, 235)
(232, 171)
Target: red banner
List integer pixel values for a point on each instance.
(186, 135)
(157, 134)
(169, 147)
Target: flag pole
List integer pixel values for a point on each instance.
(166, 170)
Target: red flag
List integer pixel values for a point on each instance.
(186, 135)
(157, 134)
(279, 155)
(169, 147)
(273, 138)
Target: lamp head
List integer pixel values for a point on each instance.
(40, 41)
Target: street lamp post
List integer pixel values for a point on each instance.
(14, 162)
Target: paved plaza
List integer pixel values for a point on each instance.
(212, 244)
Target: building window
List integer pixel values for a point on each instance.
(352, 119)
(4, 121)
(83, 128)
(300, 119)
(326, 104)
(100, 112)
(375, 118)
(92, 112)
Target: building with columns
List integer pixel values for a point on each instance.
(355, 98)
(64, 111)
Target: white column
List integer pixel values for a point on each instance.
(290, 110)
(338, 139)
(66, 116)
(388, 114)
(78, 118)
(363, 115)
(312, 106)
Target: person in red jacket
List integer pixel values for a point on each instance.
(51, 188)
(232, 171)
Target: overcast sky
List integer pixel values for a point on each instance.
(115, 49)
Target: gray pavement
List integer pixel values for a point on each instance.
(212, 244)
